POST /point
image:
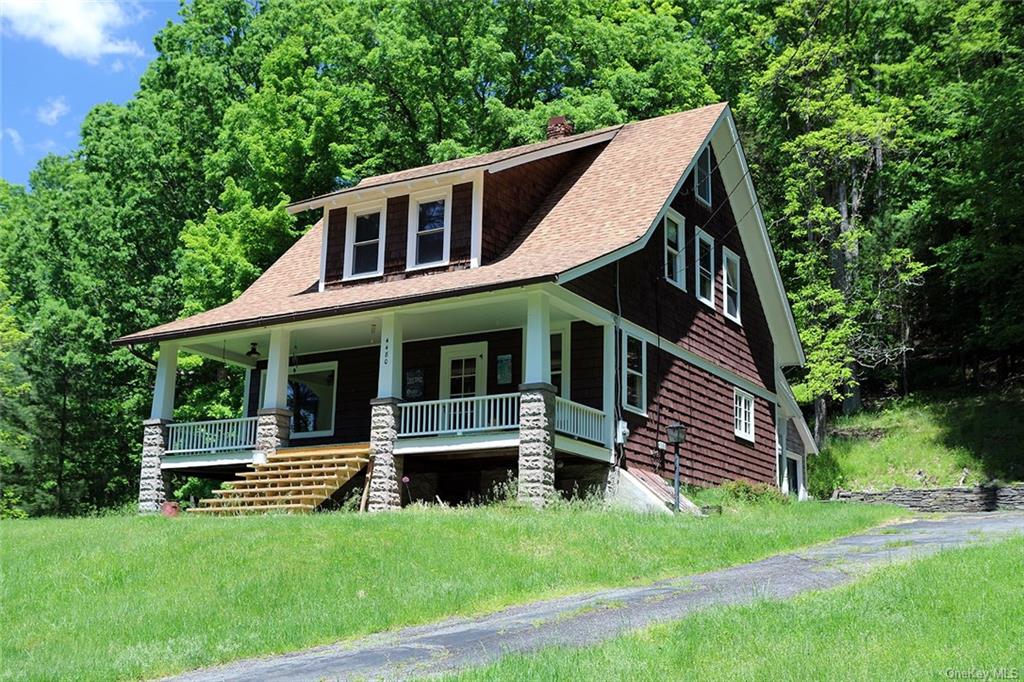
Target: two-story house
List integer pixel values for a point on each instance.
(546, 310)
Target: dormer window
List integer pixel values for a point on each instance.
(430, 220)
(364, 241)
(702, 177)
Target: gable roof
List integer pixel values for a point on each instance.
(645, 161)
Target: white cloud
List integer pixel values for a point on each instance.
(78, 29)
(117, 66)
(53, 110)
(16, 141)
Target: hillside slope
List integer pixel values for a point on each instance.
(925, 440)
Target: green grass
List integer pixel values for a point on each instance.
(924, 441)
(958, 610)
(130, 597)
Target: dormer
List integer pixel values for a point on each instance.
(454, 215)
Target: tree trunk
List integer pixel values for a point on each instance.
(820, 420)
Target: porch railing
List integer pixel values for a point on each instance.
(580, 421)
(219, 435)
(459, 415)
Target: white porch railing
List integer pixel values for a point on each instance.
(459, 415)
(580, 421)
(219, 435)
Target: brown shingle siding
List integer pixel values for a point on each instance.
(681, 392)
(462, 223)
(395, 243)
(335, 260)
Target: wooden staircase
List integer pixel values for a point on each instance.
(294, 480)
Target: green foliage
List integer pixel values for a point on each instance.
(877, 134)
(753, 493)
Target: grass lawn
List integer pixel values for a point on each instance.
(129, 597)
(959, 610)
(936, 435)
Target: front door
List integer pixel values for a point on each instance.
(464, 376)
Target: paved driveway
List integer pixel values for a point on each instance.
(589, 618)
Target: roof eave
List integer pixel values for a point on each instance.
(318, 313)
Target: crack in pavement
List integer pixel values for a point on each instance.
(585, 619)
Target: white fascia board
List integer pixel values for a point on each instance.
(353, 195)
(775, 303)
(791, 410)
(584, 449)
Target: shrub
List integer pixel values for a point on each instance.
(754, 493)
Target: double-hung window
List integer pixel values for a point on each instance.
(704, 267)
(430, 220)
(675, 260)
(634, 373)
(364, 241)
(702, 177)
(743, 414)
(731, 284)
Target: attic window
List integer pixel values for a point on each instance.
(430, 219)
(364, 248)
(702, 177)
(675, 260)
(731, 284)
(704, 267)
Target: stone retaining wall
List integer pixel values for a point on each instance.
(980, 498)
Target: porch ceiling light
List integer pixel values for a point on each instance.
(253, 351)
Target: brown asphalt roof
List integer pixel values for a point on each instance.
(642, 163)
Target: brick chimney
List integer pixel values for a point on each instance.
(558, 126)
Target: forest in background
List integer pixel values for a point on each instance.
(883, 138)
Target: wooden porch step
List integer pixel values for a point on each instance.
(333, 461)
(274, 491)
(239, 511)
(294, 480)
(325, 478)
(297, 471)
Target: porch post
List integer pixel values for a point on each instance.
(384, 491)
(273, 420)
(537, 408)
(610, 369)
(154, 431)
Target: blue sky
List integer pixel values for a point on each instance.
(60, 58)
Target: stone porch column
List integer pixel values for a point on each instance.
(154, 430)
(273, 429)
(536, 443)
(384, 493)
(151, 476)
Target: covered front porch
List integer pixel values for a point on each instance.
(522, 376)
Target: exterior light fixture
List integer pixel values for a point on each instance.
(676, 434)
(253, 351)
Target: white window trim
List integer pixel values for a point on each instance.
(302, 369)
(702, 236)
(704, 154)
(625, 374)
(728, 255)
(740, 433)
(681, 253)
(350, 237)
(476, 349)
(565, 329)
(801, 486)
(415, 200)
